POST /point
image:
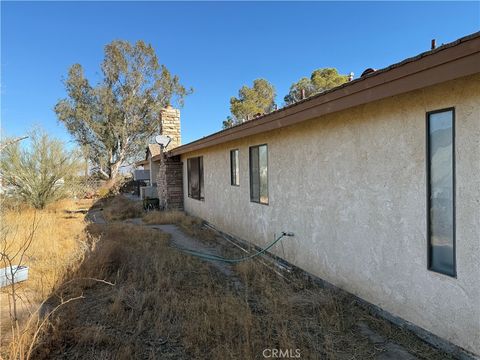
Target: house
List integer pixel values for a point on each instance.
(379, 180)
(146, 171)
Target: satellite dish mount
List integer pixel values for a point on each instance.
(163, 140)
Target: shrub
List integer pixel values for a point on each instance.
(40, 173)
(119, 208)
(164, 217)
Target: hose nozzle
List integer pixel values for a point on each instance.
(288, 234)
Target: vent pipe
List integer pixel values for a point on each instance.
(367, 71)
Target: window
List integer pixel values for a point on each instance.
(195, 178)
(234, 168)
(259, 174)
(441, 191)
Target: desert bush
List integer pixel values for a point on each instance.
(120, 208)
(113, 187)
(40, 173)
(164, 217)
(191, 225)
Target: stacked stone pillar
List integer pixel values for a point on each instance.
(170, 183)
(170, 126)
(170, 171)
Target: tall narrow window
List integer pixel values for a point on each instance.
(259, 174)
(441, 191)
(195, 178)
(234, 168)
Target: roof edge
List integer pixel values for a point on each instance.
(447, 62)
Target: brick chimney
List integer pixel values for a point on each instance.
(170, 126)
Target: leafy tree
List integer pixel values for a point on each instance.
(40, 173)
(304, 85)
(320, 80)
(115, 118)
(259, 99)
(228, 122)
(328, 78)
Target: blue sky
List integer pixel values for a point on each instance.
(215, 47)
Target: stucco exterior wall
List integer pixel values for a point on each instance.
(352, 187)
(153, 166)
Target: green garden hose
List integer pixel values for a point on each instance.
(220, 258)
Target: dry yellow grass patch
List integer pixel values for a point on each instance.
(164, 217)
(166, 304)
(120, 208)
(191, 225)
(153, 301)
(58, 235)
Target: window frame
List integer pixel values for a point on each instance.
(201, 195)
(429, 190)
(251, 174)
(235, 180)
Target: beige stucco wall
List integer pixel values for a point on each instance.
(153, 166)
(351, 186)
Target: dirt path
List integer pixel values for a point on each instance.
(182, 240)
(96, 216)
(179, 238)
(374, 338)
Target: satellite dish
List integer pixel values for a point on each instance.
(163, 140)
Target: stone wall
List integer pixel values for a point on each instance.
(170, 126)
(170, 183)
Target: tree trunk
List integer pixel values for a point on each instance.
(104, 173)
(113, 170)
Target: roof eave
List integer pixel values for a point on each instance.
(141, 162)
(451, 61)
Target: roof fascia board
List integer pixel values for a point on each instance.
(447, 64)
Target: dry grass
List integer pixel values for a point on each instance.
(164, 217)
(191, 225)
(56, 244)
(166, 304)
(120, 208)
